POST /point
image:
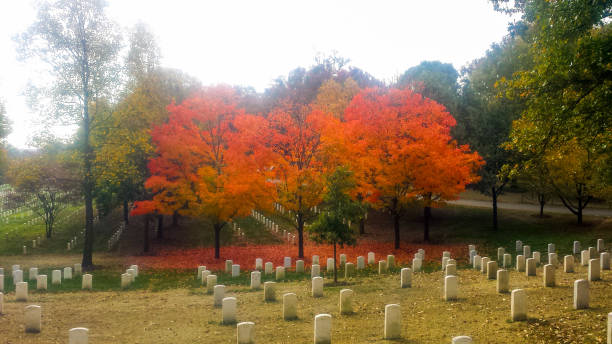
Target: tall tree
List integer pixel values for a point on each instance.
(80, 44)
(568, 88)
(332, 225)
(295, 138)
(202, 164)
(401, 151)
(484, 119)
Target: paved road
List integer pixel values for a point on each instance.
(531, 207)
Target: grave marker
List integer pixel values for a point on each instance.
(78, 335)
(289, 306)
(32, 319)
(245, 332)
(269, 291)
(594, 270)
(360, 263)
(322, 329)
(531, 267)
(317, 287)
(21, 292)
(86, 283)
(503, 281)
(406, 277)
(492, 270)
(315, 271)
(518, 305)
(549, 275)
(346, 301)
(218, 295)
(211, 281)
(581, 294)
(393, 321)
(568, 263)
(41, 282)
(228, 310)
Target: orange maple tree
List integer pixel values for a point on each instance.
(296, 141)
(203, 166)
(400, 147)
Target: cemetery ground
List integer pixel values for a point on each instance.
(167, 304)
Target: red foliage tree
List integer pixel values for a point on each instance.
(401, 150)
(203, 165)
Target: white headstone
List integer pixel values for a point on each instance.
(315, 270)
(568, 263)
(549, 275)
(576, 247)
(86, 283)
(477, 262)
(518, 305)
(551, 248)
(228, 266)
(360, 263)
(33, 273)
(315, 259)
(371, 258)
(406, 278)
(269, 291)
(527, 250)
(17, 276)
(584, 257)
(200, 269)
(451, 286)
(218, 295)
(235, 270)
(604, 259)
(531, 267)
(322, 329)
(503, 281)
(553, 259)
(393, 321)
(258, 265)
(228, 310)
(600, 245)
(451, 270)
(280, 273)
(255, 279)
(349, 270)
(203, 276)
(390, 261)
(317, 287)
(269, 268)
(444, 262)
(519, 246)
(211, 281)
(246, 332)
(462, 340)
(346, 301)
(126, 280)
(382, 267)
(446, 254)
(21, 291)
(507, 262)
(289, 306)
(78, 270)
(32, 319)
(78, 335)
(593, 253)
(342, 259)
(330, 265)
(500, 253)
(41, 282)
(537, 257)
(299, 266)
(417, 264)
(132, 274)
(56, 277)
(581, 294)
(67, 273)
(483, 264)
(594, 270)
(287, 262)
(492, 270)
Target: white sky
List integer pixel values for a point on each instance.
(249, 42)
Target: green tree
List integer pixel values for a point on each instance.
(80, 44)
(567, 90)
(484, 119)
(434, 80)
(48, 178)
(331, 226)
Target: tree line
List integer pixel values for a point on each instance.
(535, 108)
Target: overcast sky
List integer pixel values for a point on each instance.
(252, 42)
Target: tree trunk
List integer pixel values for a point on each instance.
(579, 211)
(160, 226)
(494, 196)
(300, 235)
(126, 212)
(396, 228)
(88, 181)
(542, 202)
(217, 227)
(427, 216)
(146, 234)
(175, 216)
(335, 266)
(362, 226)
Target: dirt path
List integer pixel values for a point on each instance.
(530, 207)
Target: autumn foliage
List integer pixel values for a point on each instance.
(215, 161)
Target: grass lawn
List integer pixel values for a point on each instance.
(186, 314)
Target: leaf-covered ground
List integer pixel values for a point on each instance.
(186, 315)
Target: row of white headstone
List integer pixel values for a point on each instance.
(41, 280)
(518, 296)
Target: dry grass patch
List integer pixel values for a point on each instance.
(187, 315)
